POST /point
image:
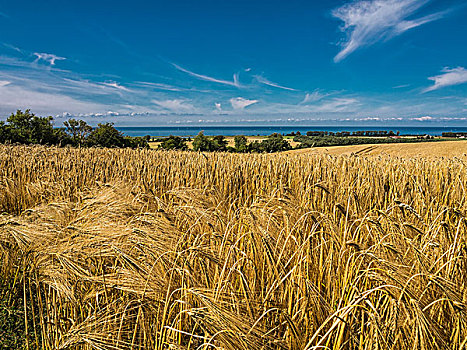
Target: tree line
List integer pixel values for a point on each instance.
(28, 128)
(203, 143)
(329, 141)
(369, 133)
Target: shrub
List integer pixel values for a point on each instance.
(105, 135)
(241, 143)
(174, 142)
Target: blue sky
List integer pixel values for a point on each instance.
(236, 62)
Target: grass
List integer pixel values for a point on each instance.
(137, 249)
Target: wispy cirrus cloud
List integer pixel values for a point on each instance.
(315, 96)
(48, 90)
(234, 83)
(176, 105)
(158, 86)
(239, 103)
(115, 85)
(342, 104)
(265, 81)
(369, 21)
(401, 86)
(12, 47)
(454, 76)
(48, 57)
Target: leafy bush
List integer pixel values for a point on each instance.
(174, 142)
(275, 143)
(219, 143)
(241, 143)
(105, 135)
(203, 143)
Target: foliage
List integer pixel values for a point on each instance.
(370, 133)
(202, 143)
(327, 141)
(78, 130)
(174, 142)
(275, 143)
(219, 143)
(27, 128)
(137, 142)
(105, 135)
(241, 143)
(12, 332)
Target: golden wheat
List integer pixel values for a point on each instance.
(138, 249)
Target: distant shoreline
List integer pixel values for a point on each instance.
(191, 131)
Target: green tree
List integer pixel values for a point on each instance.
(5, 133)
(105, 135)
(78, 130)
(219, 143)
(275, 143)
(256, 146)
(174, 142)
(42, 130)
(241, 143)
(202, 143)
(137, 142)
(26, 127)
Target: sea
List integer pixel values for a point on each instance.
(268, 130)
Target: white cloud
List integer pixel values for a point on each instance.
(158, 86)
(423, 119)
(338, 105)
(48, 57)
(16, 97)
(235, 81)
(115, 85)
(369, 21)
(218, 107)
(177, 106)
(241, 103)
(265, 81)
(401, 86)
(314, 97)
(47, 90)
(12, 47)
(454, 76)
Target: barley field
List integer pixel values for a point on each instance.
(143, 249)
(449, 149)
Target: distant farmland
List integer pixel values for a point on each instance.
(420, 149)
